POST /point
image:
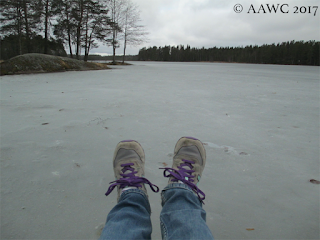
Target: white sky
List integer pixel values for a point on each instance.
(209, 23)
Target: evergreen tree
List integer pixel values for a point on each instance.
(65, 27)
(19, 17)
(97, 25)
(45, 11)
(12, 21)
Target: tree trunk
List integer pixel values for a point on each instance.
(19, 28)
(125, 36)
(89, 44)
(124, 48)
(114, 54)
(69, 30)
(86, 40)
(27, 26)
(114, 33)
(78, 42)
(69, 41)
(79, 30)
(46, 28)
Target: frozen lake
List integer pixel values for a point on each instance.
(259, 123)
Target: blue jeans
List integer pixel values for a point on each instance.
(182, 216)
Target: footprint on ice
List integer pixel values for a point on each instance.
(314, 181)
(226, 149)
(243, 153)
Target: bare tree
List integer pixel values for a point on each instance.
(47, 16)
(116, 9)
(133, 34)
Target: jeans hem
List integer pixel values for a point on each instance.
(177, 185)
(139, 191)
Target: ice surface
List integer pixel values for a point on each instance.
(259, 124)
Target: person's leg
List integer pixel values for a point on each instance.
(182, 215)
(130, 218)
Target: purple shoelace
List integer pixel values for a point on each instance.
(130, 180)
(185, 175)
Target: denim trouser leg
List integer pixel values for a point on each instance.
(130, 218)
(182, 216)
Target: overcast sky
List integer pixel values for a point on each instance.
(209, 23)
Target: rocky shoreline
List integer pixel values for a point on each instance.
(42, 63)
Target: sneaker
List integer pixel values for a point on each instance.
(128, 166)
(188, 163)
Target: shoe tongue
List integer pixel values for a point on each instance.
(186, 165)
(186, 168)
(128, 170)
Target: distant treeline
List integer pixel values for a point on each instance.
(95, 57)
(291, 53)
